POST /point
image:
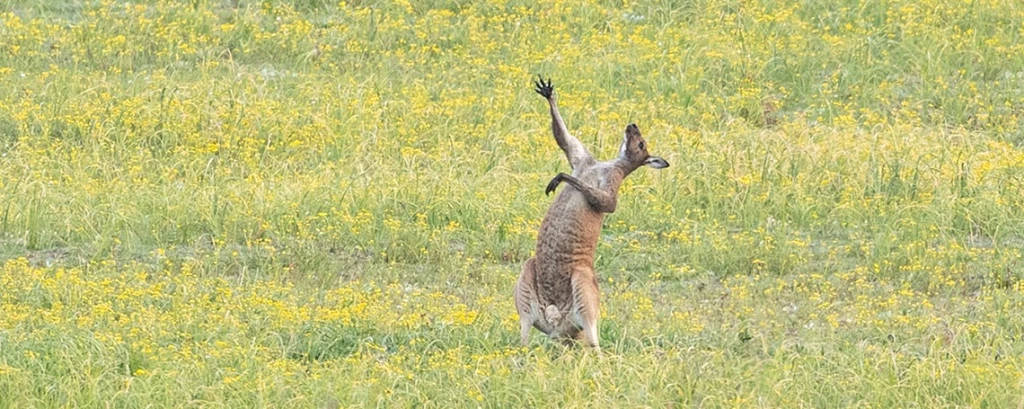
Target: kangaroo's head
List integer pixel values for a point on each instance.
(634, 151)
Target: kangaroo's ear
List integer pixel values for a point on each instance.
(624, 146)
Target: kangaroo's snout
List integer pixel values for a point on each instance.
(632, 130)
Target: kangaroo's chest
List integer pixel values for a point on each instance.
(595, 176)
(569, 232)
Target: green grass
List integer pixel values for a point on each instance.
(273, 203)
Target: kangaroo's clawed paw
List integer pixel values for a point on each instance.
(553, 184)
(544, 89)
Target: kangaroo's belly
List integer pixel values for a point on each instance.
(566, 244)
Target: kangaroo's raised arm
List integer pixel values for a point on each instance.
(573, 148)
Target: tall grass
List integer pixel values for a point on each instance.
(310, 203)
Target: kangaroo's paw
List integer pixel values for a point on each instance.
(553, 184)
(546, 90)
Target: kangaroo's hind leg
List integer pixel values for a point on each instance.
(586, 304)
(526, 302)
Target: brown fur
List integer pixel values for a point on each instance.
(557, 290)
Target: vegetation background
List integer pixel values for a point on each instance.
(234, 203)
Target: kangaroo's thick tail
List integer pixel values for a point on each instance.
(552, 315)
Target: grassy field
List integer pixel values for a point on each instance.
(236, 203)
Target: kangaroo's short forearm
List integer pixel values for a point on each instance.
(600, 200)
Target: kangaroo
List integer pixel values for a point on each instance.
(557, 290)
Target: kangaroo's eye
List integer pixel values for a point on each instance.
(641, 145)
